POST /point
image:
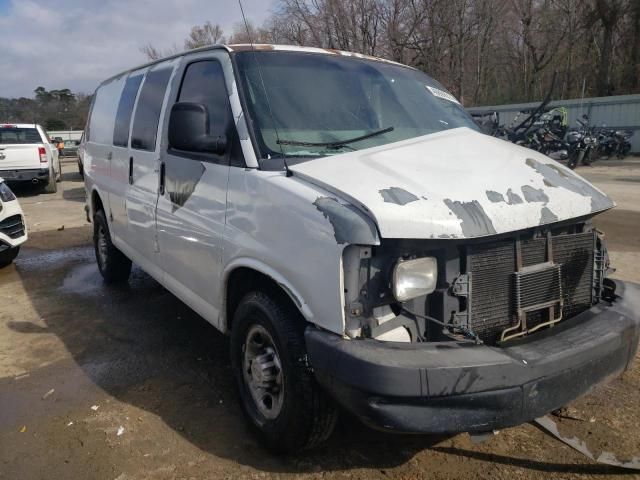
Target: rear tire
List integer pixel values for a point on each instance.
(51, 186)
(114, 266)
(268, 359)
(7, 256)
(80, 169)
(624, 151)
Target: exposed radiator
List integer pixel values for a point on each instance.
(493, 298)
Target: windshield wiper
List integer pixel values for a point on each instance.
(335, 145)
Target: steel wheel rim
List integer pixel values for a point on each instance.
(102, 245)
(262, 371)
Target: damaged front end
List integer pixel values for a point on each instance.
(444, 336)
(485, 291)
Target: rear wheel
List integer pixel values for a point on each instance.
(51, 186)
(7, 256)
(114, 266)
(278, 392)
(624, 150)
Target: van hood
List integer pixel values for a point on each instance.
(454, 184)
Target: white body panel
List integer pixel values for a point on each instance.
(18, 157)
(455, 184)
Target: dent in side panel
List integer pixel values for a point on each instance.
(272, 221)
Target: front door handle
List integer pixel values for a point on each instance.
(109, 155)
(130, 170)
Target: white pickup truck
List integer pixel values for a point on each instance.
(26, 155)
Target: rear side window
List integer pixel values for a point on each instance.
(145, 123)
(103, 112)
(203, 83)
(125, 109)
(19, 136)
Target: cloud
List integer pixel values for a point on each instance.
(78, 43)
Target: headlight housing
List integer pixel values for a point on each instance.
(6, 195)
(414, 278)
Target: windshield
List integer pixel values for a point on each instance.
(318, 105)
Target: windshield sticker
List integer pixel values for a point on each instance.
(442, 94)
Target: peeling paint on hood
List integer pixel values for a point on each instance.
(455, 184)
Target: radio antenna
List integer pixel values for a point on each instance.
(264, 89)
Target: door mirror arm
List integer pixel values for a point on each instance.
(211, 144)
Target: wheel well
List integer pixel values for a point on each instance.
(244, 280)
(96, 202)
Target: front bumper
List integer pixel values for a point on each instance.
(451, 387)
(26, 175)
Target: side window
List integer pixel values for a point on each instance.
(125, 109)
(103, 112)
(203, 83)
(145, 123)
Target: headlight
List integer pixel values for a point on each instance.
(414, 278)
(6, 195)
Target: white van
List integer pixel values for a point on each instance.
(363, 244)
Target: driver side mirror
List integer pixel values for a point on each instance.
(189, 130)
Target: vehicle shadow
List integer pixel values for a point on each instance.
(551, 467)
(75, 194)
(143, 346)
(146, 348)
(26, 189)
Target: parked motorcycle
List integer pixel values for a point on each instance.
(582, 144)
(614, 142)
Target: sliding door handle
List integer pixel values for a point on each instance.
(130, 170)
(162, 174)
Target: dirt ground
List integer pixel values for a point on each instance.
(127, 382)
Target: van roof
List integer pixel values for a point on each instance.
(241, 47)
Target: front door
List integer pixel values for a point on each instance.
(191, 211)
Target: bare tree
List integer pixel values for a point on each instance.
(484, 51)
(203, 35)
(152, 53)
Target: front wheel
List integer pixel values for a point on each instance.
(574, 159)
(114, 266)
(278, 392)
(7, 256)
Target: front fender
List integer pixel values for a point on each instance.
(261, 267)
(295, 233)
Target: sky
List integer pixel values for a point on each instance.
(76, 44)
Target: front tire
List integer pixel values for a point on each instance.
(7, 256)
(114, 266)
(278, 393)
